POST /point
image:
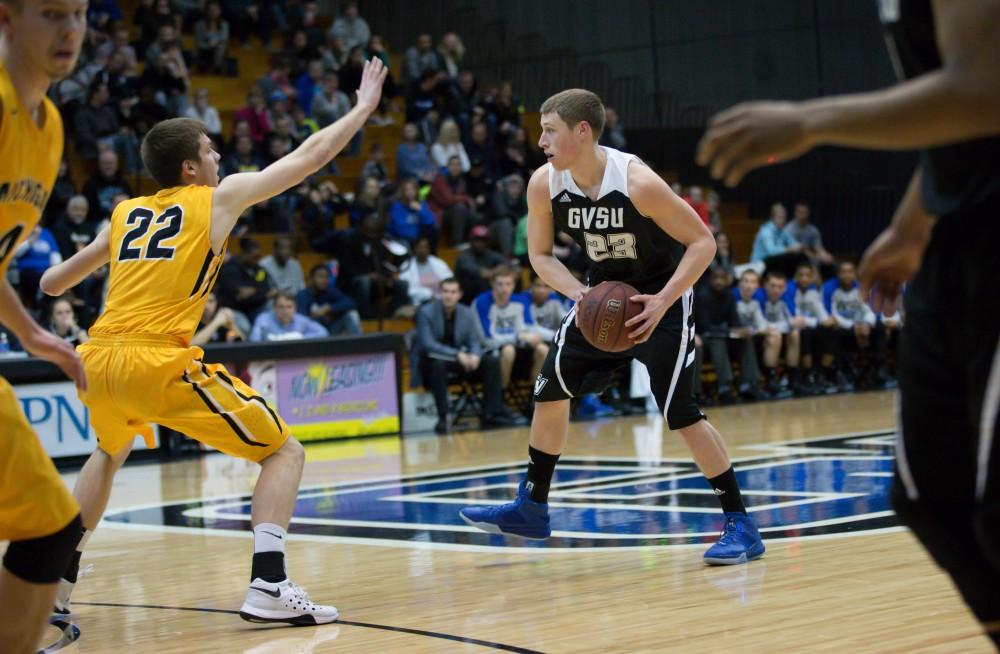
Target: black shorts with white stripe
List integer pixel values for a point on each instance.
(574, 367)
(947, 487)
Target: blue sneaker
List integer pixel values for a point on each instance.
(592, 407)
(740, 542)
(523, 517)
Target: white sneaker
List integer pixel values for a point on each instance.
(61, 609)
(284, 601)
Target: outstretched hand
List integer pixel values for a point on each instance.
(370, 91)
(751, 135)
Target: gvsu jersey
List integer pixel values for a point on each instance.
(622, 244)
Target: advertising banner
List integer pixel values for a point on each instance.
(60, 419)
(338, 396)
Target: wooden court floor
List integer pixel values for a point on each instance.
(169, 567)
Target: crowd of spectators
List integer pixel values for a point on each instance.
(787, 322)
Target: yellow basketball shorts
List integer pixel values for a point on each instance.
(34, 500)
(136, 380)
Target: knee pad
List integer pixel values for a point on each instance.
(44, 560)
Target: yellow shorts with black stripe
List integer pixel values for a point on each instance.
(34, 500)
(137, 380)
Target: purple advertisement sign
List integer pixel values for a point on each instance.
(330, 397)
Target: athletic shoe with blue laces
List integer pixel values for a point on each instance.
(740, 542)
(523, 517)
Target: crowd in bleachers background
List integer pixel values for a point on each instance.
(455, 181)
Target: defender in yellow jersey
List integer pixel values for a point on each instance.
(39, 42)
(165, 252)
(142, 368)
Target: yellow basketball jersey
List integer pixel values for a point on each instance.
(162, 264)
(29, 163)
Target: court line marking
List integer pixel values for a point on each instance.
(420, 526)
(777, 448)
(496, 549)
(310, 491)
(350, 623)
(218, 510)
(500, 468)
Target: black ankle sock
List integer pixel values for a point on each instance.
(74, 568)
(539, 477)
(728, 492)
(269, 566)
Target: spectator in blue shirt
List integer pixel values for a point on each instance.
(328, 305)
(506, 327)
(413, 161)
(771, 238)
(38, 253)
(305, 85)
(775, 247)
(284, 324)
(409, 218)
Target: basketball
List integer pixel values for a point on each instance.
(603, 313)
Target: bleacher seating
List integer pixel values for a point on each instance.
(228, 94)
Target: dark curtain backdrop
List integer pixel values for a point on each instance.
(668, 65)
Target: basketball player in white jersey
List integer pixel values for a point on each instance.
(634, 229)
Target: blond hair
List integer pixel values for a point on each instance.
(449, 131)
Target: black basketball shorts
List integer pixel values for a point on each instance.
(949, 375)
(574, 367)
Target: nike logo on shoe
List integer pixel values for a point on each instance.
(276, 593)
(279, 536)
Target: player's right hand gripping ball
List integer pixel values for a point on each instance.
(603, 313)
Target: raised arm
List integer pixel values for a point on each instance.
(64, 276)
(958, 101)
(242, 190)
(541, 237)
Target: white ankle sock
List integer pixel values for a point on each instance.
(268, 537)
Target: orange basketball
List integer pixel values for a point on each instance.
(602, 315)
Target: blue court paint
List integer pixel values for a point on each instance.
(809, 488)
